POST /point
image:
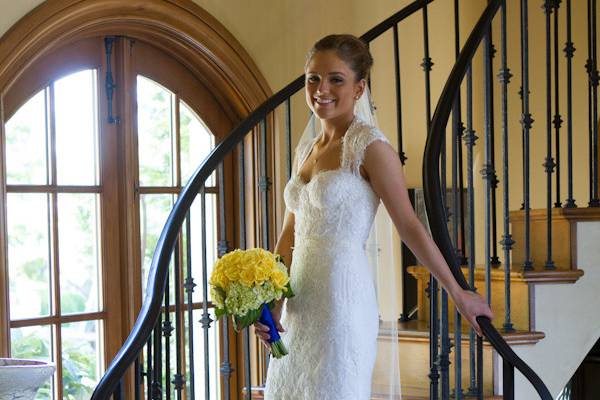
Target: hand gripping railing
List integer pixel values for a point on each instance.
(436, 209)
(156, 286)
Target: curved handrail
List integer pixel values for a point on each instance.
(433, 193)
(156, 286)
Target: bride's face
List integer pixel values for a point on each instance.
(331, 86)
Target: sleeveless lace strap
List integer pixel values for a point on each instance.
(357, 144)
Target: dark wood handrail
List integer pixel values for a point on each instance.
(157, 275)
(433, 193)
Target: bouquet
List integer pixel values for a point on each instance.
(245, 284)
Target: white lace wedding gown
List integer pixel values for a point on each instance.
(332, 322)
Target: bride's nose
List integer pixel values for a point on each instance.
(323, 87)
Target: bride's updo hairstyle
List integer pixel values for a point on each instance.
(352, 50)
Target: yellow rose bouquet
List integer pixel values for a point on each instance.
(245, 285)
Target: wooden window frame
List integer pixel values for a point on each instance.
(179, 28)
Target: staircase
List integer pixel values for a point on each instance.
(539, 293)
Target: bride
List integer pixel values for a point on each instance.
(331, 325)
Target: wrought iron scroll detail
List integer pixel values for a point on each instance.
(109, 83)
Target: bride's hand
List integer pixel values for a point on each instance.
(262, 331)
(471, 305)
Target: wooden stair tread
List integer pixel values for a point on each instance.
(418, 331)
(517, 274)
(572, 214)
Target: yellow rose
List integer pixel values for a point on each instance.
(247, 277)
(261, 275)
(279, 279)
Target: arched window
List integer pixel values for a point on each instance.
(91, 171)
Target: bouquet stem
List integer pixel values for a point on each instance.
(278, 349)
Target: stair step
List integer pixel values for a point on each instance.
(563, 235)
(418, 331)
(521, 292)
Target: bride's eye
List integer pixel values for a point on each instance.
(312, 79)
(337, 79)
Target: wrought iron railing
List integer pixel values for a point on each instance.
(155, 324)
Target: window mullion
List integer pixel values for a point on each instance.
(177, 138)
(4, 300)
(53, 226)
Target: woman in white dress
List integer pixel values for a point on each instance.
(331, 325)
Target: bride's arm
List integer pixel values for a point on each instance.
(285, 242)
(384, 172)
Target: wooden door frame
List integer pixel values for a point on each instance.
(180, 28)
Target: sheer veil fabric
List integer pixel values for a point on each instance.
(380, 247)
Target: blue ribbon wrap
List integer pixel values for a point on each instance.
(267, 318)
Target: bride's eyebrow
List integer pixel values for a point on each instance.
(329, 73)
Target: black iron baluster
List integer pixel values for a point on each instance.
(223, 248)
(493, 178)
(242, 242)
(504, 77)
(405, 311)
(288, 136)
(178, 376)
(457, 213)
(206, 320)
(479, 368)
(470, 139)
(137, 379)
(488, 169)
(149, 369)
(444, 357)
(264, 186)
(569, 53)
(549, 163)
(508, 381)
(526, 122)
(167, 329)
(157, 371)
(434, 376)
(589, 66)
(557, 120)
(594, 202)
(401, 153)
(119, 393)
(189, 289)
(443, 361)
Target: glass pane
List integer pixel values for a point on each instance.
(76, 129)
(155, 133)
(81, 358)
(34, 342)
(26, 155)
(199, 352)
(196, 241)
(28, 255)
(78, 250)
(196, 142)
(154, 210)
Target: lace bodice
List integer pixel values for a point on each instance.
(337, 203)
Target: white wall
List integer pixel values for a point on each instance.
(570, 317)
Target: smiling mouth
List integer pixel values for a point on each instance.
(324, 101)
